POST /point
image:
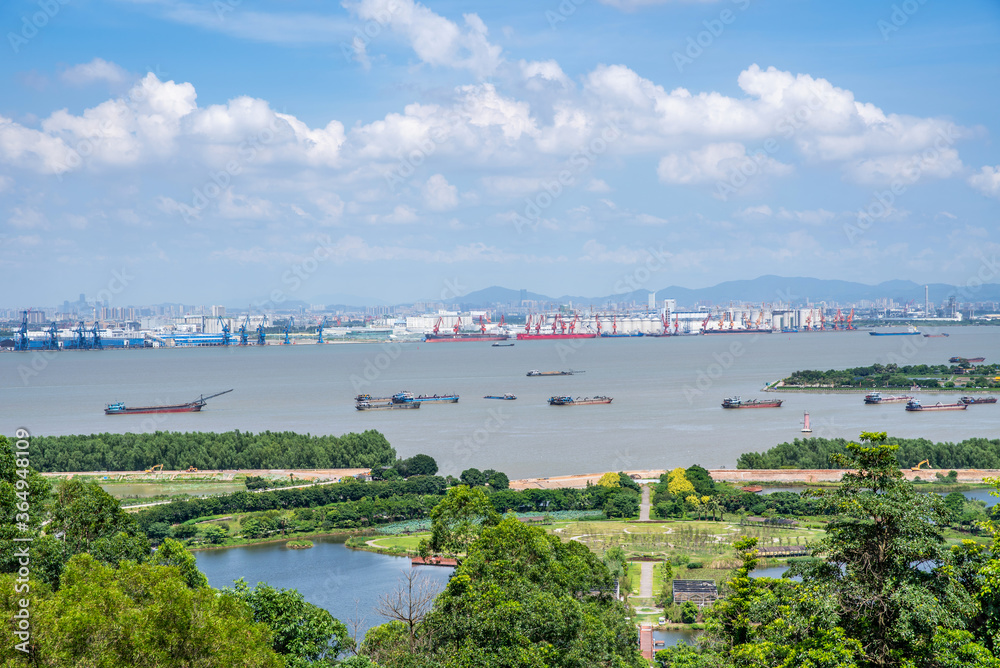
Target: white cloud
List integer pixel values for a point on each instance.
(632, 5)
(435, 39)
(27, 218)
(715, 162)
(598, 186)
(987, 181)
(594, 251)
(439, 195)
(539, 74)
(96, 70)
(759, 211)
(816, 217)
(906, 169)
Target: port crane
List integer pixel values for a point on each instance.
(52, 343)
(677, 324)
(704, 323)
(81, 337)
(96, 333)
(224, 328)
(850, 319)
(288, 328)
(243, 330)
(261, 333)
(458, 325)
(21, 342)
(319, 330)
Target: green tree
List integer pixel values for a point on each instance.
(689, 612)
(610, 479)
(622, 504)
(700, 480)
(138, 615)
(457, 520)
(421, 465)
(885, 564)
(498, 481)
(214, 534)
(173, 553)
(302, 632)
(473, 477)
(523, 598)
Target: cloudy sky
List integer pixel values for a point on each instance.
(233, 150)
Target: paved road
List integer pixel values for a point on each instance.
(646, 579)
(644, 505)
(253, 491)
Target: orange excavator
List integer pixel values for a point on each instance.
(917, 467)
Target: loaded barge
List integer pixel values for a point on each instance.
(738, 402)
(877, 398)
(915, 405)
(570, 401)
(119, 407)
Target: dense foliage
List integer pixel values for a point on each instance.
(133, 616)
(523, 598)
(816, 453)
(893, 375)
(886, 592)
(205, 450)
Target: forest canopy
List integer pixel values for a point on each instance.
(204, 450)
(815, 453)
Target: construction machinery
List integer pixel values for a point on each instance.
(224, 328)
(917, 467)
(261, 333)
(21, 342)
(319, 330)
(153, 469)
(244, 339)
(191, 469)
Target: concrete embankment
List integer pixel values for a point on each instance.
(750, 475)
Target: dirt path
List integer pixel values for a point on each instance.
(644, 505)
(646, 579)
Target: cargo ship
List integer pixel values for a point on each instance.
(971, 360)
(500, 344)
(119, 407)
(410, 398)
(912, 331)
(464, 336)
(536, 372)
(369, 398)
(915, 405)
(570, 401)
(738, 402)
(383, 406)
(935, 336)
(505, 397)
(978, 400)
(522, 336)
(877, 398)
(738, 331)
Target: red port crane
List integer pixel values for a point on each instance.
(458, 323)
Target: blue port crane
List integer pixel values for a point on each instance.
(288, 328)
(224, 325)
(261, 334)
(52, 343)
(21, 342)
(96, 332)
(81, 337)
(319, 330)
(243, 329)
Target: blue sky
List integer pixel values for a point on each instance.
(232, 150)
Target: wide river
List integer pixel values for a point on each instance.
(666, 410)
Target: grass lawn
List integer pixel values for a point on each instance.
(410, 543)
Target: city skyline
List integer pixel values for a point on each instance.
(387, 149)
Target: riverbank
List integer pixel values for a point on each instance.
(249, 542)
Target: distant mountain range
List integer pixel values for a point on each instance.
(763, 289)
